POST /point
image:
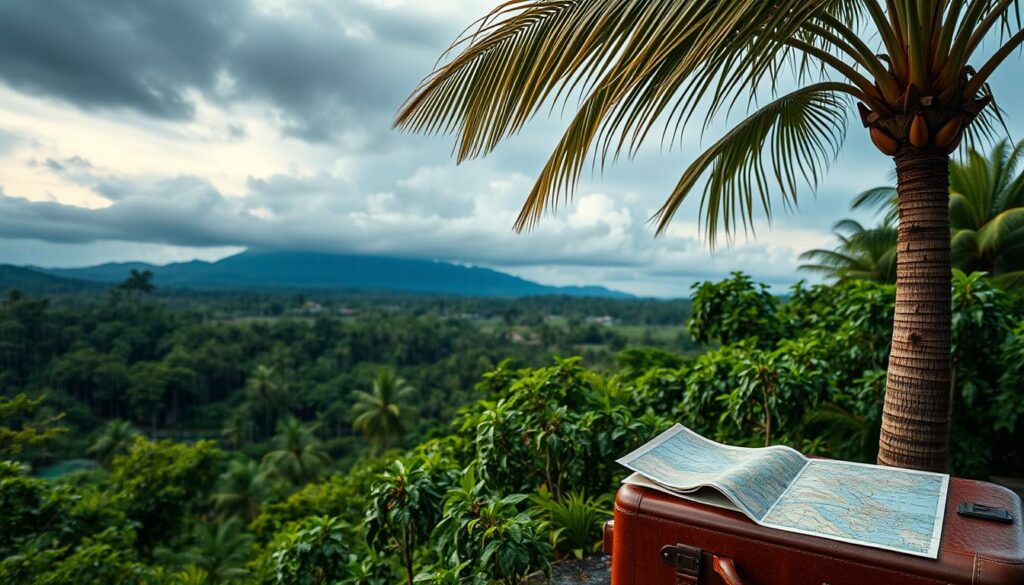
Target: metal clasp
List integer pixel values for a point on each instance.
(685, 560)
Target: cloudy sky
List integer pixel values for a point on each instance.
(169, 130)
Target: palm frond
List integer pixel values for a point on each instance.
(1000, 229)
(883, 200)
(1010, 280)
(630, 67)
(988, 127)
(862, 253)
(802, 133)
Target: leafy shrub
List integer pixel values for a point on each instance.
(342, 496)
(575, 522)
(487, 536)
(1008, 408)
(454, 576)
(405, 506)
(164, 483)
(316, 552)
(555, 427)
(733, 310)
(106, 558)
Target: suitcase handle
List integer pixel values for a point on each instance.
(687, 562)
(726, 569)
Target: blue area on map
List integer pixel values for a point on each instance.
(752, 478)
(882, 506)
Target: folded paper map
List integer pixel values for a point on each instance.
(777, 487)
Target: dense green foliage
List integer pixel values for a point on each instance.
(986, 211)
(521, 475)
(203, 372)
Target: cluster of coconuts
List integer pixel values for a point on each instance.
(921, 136)
(922, 121)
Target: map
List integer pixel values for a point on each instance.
(884, 507)
(892, 509)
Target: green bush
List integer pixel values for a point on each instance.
(575, 522)
(405, 506)
(487, 536)
(163, 484)
(733, 310)
(555, 427)
(316, 552)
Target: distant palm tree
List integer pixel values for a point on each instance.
(640, 71)
(262, 389)
(243, 487)
(138, 283)
(220, 553)
(115, 439)
(986, 212)
(298, 455)
(863, 253)
(382, 414)
(238, 427)
(986, 207)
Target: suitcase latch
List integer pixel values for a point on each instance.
(685, 560)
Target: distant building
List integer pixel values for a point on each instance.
(606, 320)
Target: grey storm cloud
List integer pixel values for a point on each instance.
(189, 211)
(332, 73)
(321, 68)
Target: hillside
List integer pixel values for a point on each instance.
(311, 270)
(33, 281)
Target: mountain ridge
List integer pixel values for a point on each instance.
(282, 269)
(27, 279)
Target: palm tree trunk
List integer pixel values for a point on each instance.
(407, 553)
(915, 422)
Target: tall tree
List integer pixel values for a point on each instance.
(138, 283)
(264, 390)
(631, 66)
(863, 253)
(298, 455)
(383, 413)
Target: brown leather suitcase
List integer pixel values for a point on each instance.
(657, 539)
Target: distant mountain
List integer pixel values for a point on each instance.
(33, 281)
(320, 271)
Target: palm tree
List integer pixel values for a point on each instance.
(298, 455)
(138, 283)
(631, 66)
(382, 414)
(238, 427)
(115, 439)
(243, 487)
(986, 209)
(220, 554)
(262, 389)
(986, 206)
(863, 253)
